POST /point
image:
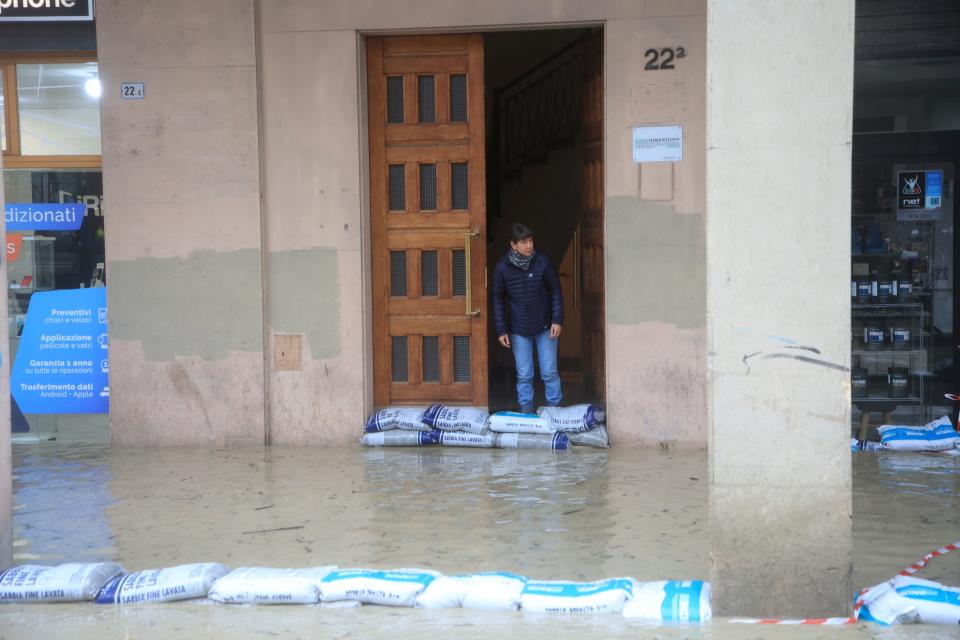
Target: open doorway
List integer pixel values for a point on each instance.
(544, 110)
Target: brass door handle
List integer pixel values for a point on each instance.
(468, 236)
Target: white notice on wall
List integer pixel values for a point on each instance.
(658, 144)
(131, 90)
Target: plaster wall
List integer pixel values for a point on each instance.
(778, 315)
(315, 232)
(315, 201)
(181, 173)
(655, 239)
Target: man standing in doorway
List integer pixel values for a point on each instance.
(528, 314)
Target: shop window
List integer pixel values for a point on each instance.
(56, 275)
(59, 109)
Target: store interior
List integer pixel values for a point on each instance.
(535, 158)
(906, 153)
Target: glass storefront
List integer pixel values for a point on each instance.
(902, 272)
(56, 276)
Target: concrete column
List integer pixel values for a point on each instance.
(181, 179)
(779, 109)
(6, 466)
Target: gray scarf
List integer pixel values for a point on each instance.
(521, 261)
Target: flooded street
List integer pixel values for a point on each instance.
(578, 515)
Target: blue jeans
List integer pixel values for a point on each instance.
(522, 348)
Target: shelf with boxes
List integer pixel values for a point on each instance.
(889, 355)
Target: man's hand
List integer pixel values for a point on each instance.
(555, 330)
(505, 340)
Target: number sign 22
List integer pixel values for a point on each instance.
(654, 63)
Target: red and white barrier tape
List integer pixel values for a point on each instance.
(908, 571)
(920, 564)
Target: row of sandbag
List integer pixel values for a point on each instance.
(108, 583)
(937, 436)
(549, 428)
(906, 599)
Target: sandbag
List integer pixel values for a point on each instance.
(398, 588)
(406, 418)
(670, 601)
(602, 596)
(267, 585)
(938, 435)
(494, 590)
(444, 592)
(401, 439)
(883, 605)
(578, 417)
(183, 582)
(865, 445)
(596, 437)
(486, 440)
(69, 582)
(555, 440)
(934, 603)
(513, 422)
(446, 418)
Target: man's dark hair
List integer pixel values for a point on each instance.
(520, 231)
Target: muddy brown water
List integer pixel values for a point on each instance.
(577, 515)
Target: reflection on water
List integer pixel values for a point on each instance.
(579, 515)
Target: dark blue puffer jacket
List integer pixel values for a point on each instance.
(534, 297)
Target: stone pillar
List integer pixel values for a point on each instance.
(779, 109)
(6, 467)
(181, 179)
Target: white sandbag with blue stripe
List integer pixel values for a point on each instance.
(69, 582)
(934, 602)
(939, 435)
(444, 592)
(578, 417)
(494, 590)
(602, 596)
(268, 585)
(514, 422)
(670, 601)
(401, 439)
(486, 440)
(449, 418)
(404, 418)
(398, 588)
(183, 582)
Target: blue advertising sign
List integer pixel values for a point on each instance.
(46, 216)
(61, 364)
(934, 189)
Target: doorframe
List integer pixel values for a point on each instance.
(363, 139)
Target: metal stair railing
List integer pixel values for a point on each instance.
(539, 105)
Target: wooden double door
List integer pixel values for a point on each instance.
(428, 219)
(428, 211)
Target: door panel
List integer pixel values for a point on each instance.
(590, 237)
(428, 213)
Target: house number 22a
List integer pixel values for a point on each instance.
(660, 59)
